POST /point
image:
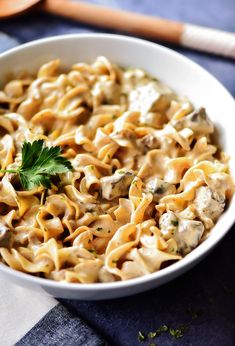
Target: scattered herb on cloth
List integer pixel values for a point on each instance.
(174, 332)
(141, 337)
(195, 314)
(178, 332)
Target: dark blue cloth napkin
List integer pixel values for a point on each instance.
(203, 298)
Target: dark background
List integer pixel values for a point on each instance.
(209, 289)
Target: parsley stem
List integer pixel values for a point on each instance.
(9, 170)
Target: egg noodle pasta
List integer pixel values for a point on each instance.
(147, 182)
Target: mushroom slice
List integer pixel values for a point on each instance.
(198, 121)
(148, 142)
(116, 185)
(159, 188)
(5, 236)
(208, 203)
(186, 233)
(150, 97)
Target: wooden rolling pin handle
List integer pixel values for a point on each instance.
(96, 15)
(192, 36)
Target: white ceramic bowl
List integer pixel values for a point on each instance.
(181, 74)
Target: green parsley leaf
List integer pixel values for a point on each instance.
(152, 335)
(163, 328)
(177, 333)
(39, 163)
(141, 337)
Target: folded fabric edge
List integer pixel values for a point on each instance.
(7, 42)
(60, 327)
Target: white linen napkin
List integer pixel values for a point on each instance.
(20, 310)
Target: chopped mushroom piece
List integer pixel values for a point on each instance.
(150, 97)
(5, 236)
(153, 119)
(131, 78)
(159, 188)
(186, 233)
(124, 134)
(148, 142)
(116, 185)
(208, 203)
(198, 121)
(106, 92)
(168, 224)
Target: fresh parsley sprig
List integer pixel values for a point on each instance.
(39, 164)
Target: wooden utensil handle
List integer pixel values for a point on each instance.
(147, 26)
(192, 36)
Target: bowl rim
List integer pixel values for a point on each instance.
(176, 268)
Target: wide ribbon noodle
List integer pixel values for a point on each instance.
(147, 184)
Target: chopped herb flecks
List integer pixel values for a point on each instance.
(141, 337)
(174, 222)
(163, 328)
(152, 335)
(178, 333)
